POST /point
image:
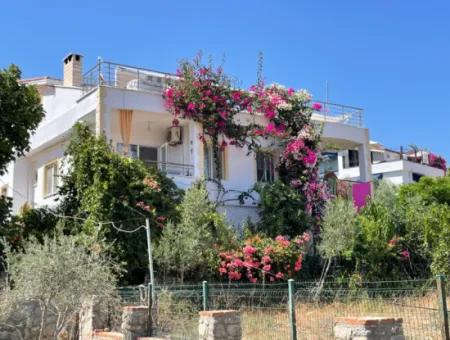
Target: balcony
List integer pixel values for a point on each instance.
(172, 169)
(125, 77)
(141, 79)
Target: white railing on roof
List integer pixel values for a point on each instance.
(135, 78)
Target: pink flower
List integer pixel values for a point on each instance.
(310, 157)
(238, 263)
(258, 132)
(203, 71)
(222, 270)
(317, 106)
(298, 263)
(282, 241)
(270, 114)
(266, 259)
(267, 267)
(294, 146)
(175, 122)
(405, 253)
(224, 115)
(249, 250)
(233, 275)
(236, 95)
(191, 107)
(253, 279)
(290, 91)
(296, 183)
(270, 128)
(279, 275)
(169, 92)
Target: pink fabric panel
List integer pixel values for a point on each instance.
(361, 191)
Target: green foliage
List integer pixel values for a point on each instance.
(60, 274)
(401, 233)
(103, 186)
(189, 248)
(20, 113)
(29, 224)
(338, 229)
(282, 210)
(430, 189)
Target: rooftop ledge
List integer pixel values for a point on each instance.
(140, 79)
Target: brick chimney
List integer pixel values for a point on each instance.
(73, 70)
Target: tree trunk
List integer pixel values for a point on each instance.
(322, 279)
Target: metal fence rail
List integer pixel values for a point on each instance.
(273, 311)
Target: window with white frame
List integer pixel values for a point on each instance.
(147, 154)
(210, 163)
(51, 178)
(265, 171)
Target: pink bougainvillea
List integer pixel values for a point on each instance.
(206, 95)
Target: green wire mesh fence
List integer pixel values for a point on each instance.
(266, 313)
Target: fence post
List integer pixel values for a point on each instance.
(150, 308)
(205, 295)
(440, 280)
(292, 322)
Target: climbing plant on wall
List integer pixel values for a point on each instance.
(207, 96)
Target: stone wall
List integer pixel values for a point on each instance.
(135, 322)
(220, 325)
(368, 328)
(25, 323)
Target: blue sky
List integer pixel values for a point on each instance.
(391, 58)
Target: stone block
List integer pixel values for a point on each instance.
(220, 325)
(368, 328)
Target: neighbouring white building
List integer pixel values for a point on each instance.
(109, 96)
(397, 167)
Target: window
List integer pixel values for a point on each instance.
(416, 177)
(329, 162)
(147, 154)
(51, 179)
(264, 167)
(210, 164)
(353, 159)
(376, 157)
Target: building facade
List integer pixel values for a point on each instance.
(125, 104)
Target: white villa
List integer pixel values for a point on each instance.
(110, 96)
(397, 167)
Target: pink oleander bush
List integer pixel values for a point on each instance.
(264, 259)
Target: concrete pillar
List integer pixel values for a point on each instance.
(220, 325)
(368, 328)
(99, 111)
(196, 149)
(365, 165)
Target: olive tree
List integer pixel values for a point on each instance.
(60, 275)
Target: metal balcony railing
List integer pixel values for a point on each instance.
(142, 79)
(125, 77)
(337, 113)
(174, 169)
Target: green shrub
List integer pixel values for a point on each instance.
(189, 248)
(282, 210)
